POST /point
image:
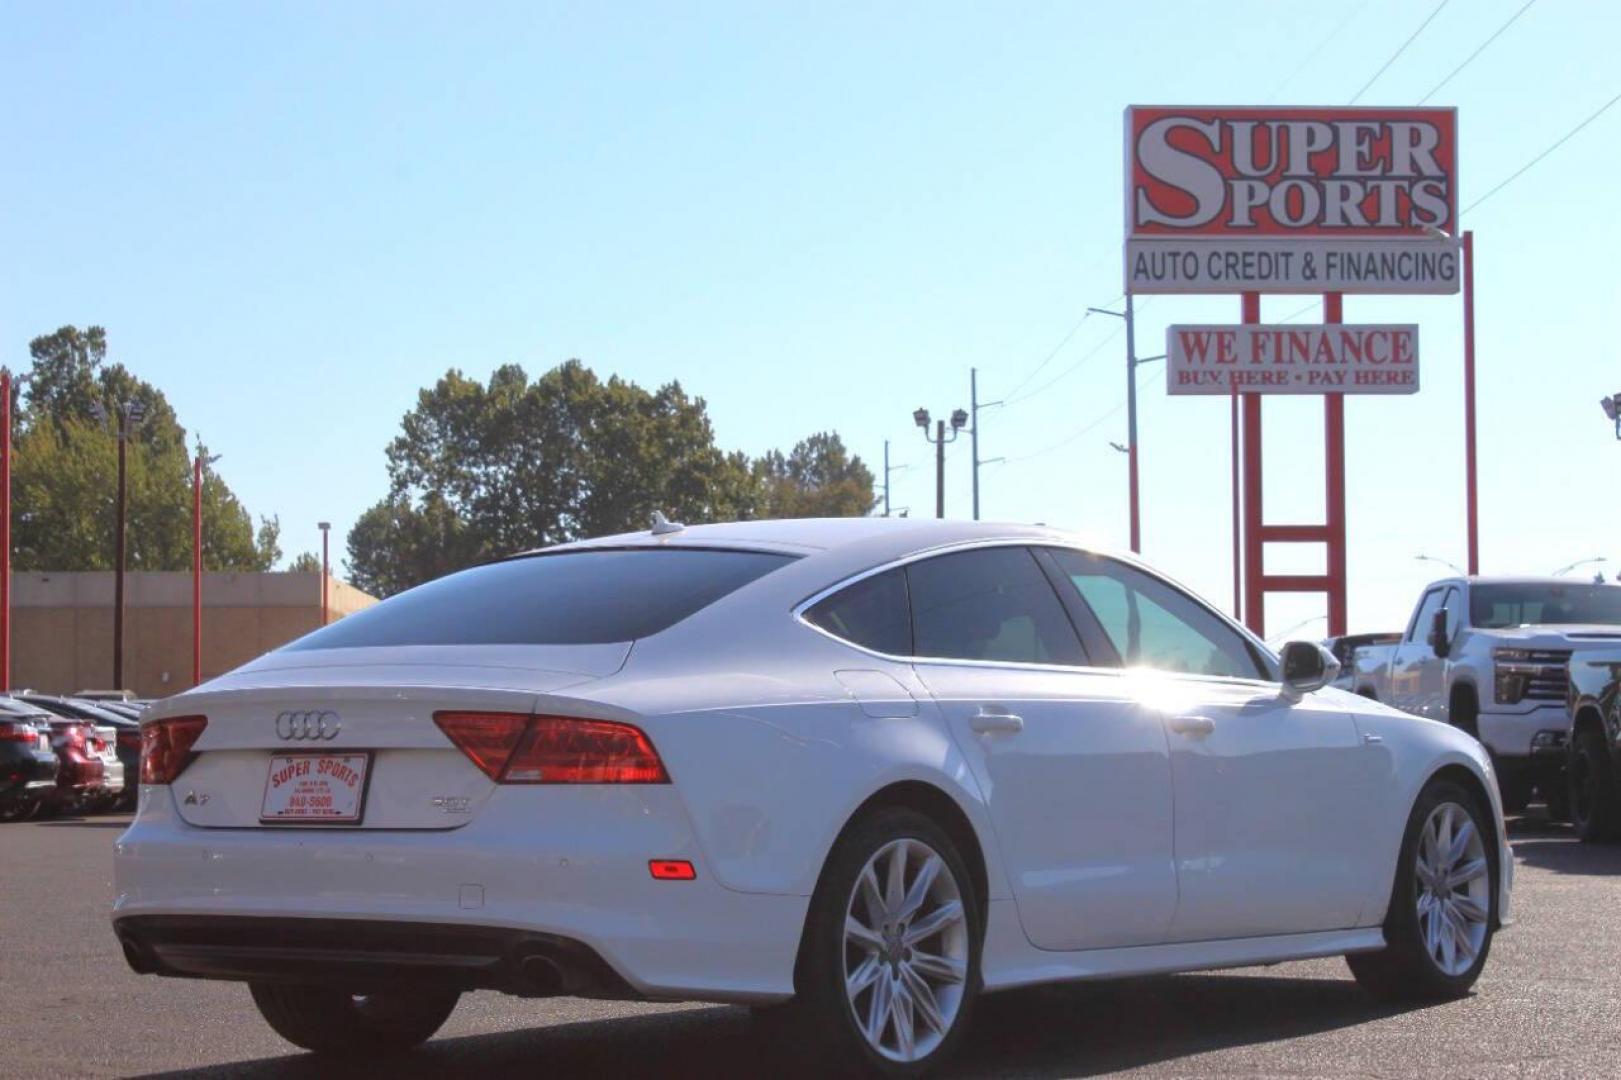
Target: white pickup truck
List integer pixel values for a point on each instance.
(1490, 656)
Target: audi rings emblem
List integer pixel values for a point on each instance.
(307, 726)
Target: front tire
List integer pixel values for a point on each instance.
(334, 1022)
(1443, 905)
(889, 967)
(1595, 799)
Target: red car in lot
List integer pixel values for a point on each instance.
(90, 776)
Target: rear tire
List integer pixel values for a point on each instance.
(916, 977)
(1595, 801)
(18, 810)
(335, 1022)
(1423, 960)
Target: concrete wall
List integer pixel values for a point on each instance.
(62, 625)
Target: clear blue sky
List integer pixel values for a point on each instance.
(293, 216)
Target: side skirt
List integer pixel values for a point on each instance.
(1010, 960)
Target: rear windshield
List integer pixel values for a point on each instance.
(574, 598)
(1498, 607)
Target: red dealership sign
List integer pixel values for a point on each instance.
(1292, 359)
(1247, 172)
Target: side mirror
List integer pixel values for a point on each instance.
(1307, 666)
(1438, 639)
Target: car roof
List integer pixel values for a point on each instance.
(807, 536)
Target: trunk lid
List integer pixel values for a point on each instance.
(299, 718)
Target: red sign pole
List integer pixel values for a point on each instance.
(1334, 463)
(5, 530)
(1473, 494)
(197, 569)
(1254, 586)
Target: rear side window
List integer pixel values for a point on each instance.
(573, 598)
(989, 604)
(871, 613)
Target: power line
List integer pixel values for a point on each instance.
(1071, 437)
(1478, 50)
(1067, 372)
(1393, 56)
(1321, 45)
(1523, 169)
(1049, 357)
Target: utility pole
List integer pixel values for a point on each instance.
(198, 464)
(325, 527)
(959, 419)
(974, 405)
(126, 416)
(1131, 415)
(5, 529)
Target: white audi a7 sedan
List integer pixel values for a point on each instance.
(854, 773)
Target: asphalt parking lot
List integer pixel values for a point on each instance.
(1548, 1004)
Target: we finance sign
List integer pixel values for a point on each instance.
(1287, 359)
(1222, 200)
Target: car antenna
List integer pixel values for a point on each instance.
(663, 526)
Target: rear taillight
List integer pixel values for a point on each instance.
(166, 747)
(512, 748)
(13, 731)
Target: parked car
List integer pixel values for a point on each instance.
(28, 765)
(1490, 656)
(121, 732)
(865, 769)
(89, 777)
(1594, 764)
(106, 695)
(1344, 649)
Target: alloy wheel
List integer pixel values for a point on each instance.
(1453, 881)
(906, 945)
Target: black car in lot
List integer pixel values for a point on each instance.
(28, 765)
(127, 744)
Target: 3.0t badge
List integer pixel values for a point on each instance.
(309, 725)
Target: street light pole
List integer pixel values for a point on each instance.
(325, 527)
(959, 420)
(1443, 562)
(1131, 424)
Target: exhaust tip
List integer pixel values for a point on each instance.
(542, 976)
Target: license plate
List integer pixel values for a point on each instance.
(325, 789)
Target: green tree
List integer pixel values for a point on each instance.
(65, 476)
(485, 469)
(818, 478)
(306, 562)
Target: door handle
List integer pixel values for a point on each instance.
(986, 722)
(1193, 725)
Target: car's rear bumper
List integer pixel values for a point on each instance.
(538, 865)
(359, 954)
(27, 774)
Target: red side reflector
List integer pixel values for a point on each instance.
(166, 747)
(672, 870)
